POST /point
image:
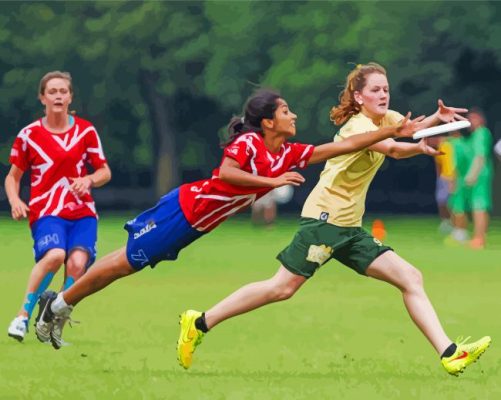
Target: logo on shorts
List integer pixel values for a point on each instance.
(140, 257)
(377, 241)
(48, 239)
(319, 254)
(148, 228)
(324, 216)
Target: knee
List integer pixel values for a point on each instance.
(53, 259)
(283, 292)
(75, 268)
(414, 279)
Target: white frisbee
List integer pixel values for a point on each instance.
(440, 129)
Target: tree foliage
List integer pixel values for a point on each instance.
(159, 79)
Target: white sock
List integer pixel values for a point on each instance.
(460, 234)
(59, 304)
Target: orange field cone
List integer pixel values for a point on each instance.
(378, 230)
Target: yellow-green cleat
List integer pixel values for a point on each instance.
(189, 337)
(465, 354)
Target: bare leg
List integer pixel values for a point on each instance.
(443, 211)
(44, 269)
(459, 232)
(106, 270)
(480, 222)
(75, 267)
(391, 268)
(460, 221)
(270, 214)
(254, 295)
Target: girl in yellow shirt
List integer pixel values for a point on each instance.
(331, 221)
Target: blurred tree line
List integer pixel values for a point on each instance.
(160, 80)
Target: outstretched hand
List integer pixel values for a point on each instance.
(288, 178)
(428, 150)
(449, 114)
(410, 126)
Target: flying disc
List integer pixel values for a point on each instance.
(441, 129)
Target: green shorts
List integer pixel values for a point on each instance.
(472, 198)
(316, 242)
(458, 200)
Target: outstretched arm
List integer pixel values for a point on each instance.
(398, 150)
(444, 114)
(230, 172)
(358, 142)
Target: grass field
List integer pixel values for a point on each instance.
(342, 336)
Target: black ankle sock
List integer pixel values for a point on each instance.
(201, 324)
(449, 351)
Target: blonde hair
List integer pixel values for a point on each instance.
(355, 82)
(51, 75)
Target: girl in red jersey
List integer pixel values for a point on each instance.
(61, 211)
(331, 227)
(257, 158)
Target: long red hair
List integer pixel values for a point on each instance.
(355, 82)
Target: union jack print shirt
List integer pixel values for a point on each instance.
(209, 202)
(53, 159)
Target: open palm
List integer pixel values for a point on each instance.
(427, 149)
(449, 114)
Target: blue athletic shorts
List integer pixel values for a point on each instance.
(58, 233)
(159, 233)
(442, 191)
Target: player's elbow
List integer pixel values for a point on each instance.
(102, 177)
(223, 174)
(108, 175)
(227, 174)
(393, 152)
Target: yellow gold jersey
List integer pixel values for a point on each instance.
(445, 162)
(339, 196)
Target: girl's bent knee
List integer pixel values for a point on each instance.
(283, 293)
(413, 280)
(53, 259)
(417, 277)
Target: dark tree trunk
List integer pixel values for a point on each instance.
(164, 140)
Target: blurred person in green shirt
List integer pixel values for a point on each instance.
(479, 177)
(458, 200)
(474, 171)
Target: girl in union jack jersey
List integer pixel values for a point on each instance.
(257, 158)
(55, 150)
(331, 227)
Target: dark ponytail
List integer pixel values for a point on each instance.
(261, 105)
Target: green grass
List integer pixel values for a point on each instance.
(342, 336)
